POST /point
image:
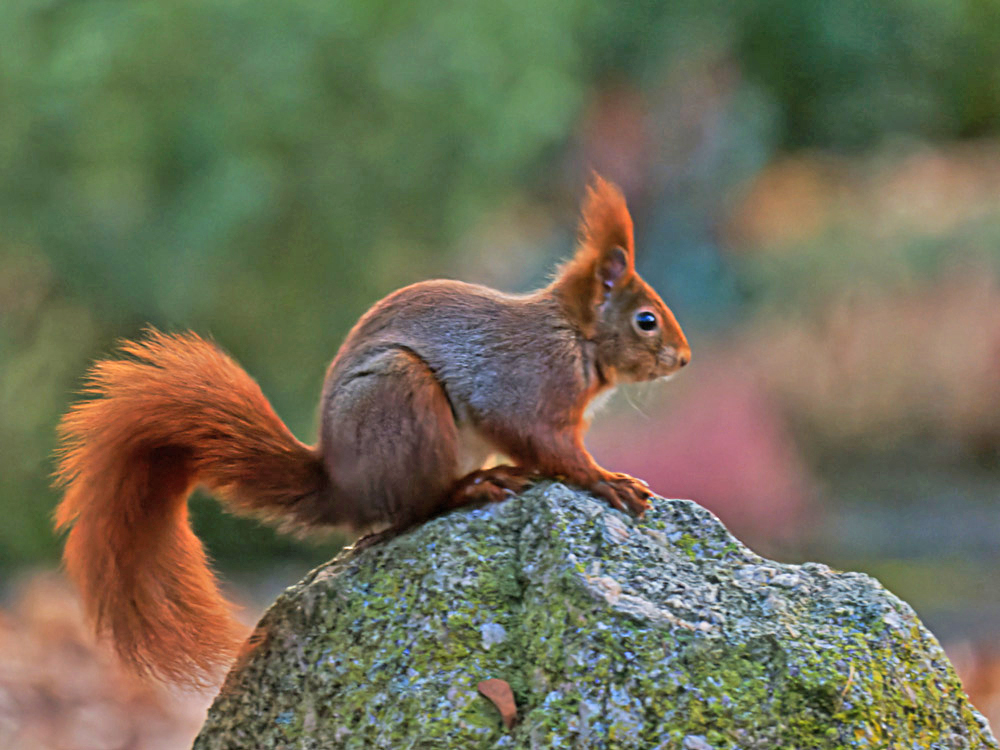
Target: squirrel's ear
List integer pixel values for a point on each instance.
(606, 233)
(604, 219)
(612, 266)
(604, 256)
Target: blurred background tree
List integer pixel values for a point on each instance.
(816, 188)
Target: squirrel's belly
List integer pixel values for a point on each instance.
(473, 449)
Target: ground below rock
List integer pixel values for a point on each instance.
(612, 633)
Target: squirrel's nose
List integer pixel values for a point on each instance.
(683, 356)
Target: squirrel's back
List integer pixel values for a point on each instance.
(489, 350)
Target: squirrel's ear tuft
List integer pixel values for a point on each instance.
(605, 222)
(604, 256)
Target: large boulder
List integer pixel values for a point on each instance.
(611, 632)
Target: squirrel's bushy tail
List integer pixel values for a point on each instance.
(176, 413)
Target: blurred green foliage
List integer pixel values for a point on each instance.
(262, 171)
(851, 73)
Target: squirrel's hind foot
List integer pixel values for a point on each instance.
(492, 485)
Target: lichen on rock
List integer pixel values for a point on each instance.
(613, 633)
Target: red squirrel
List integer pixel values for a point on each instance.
(428, 384)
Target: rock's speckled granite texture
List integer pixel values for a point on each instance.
(662, 633)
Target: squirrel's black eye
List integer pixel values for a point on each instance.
(645, 320)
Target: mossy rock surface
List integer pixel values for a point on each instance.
(613, 633)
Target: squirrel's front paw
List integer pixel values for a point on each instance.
(623, 492)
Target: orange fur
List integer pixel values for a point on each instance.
(605, 220)
(180, 412)
(605, 225)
